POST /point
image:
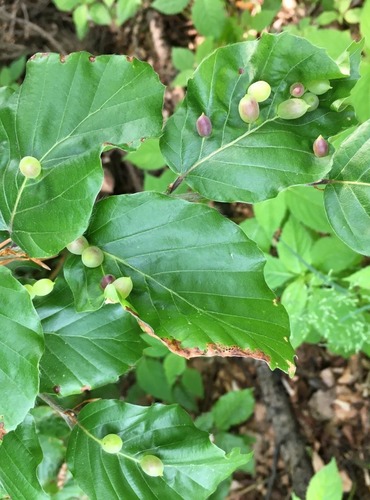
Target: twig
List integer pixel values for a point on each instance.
(273, 471)
(286, 428)
(54, 43)
(67, 417)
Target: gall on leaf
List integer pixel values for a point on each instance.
(92, 257)
(320, 147)
(30, 167)
(260, 90)
(152, 465)
(204, 126)
(248, 109)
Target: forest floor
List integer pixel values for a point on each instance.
(329, 396)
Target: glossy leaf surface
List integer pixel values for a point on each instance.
(85, 350)
(192, 464)
(64, 112)
(198, 280)
(347, 197)
(20, 455)
(21, 347)
(256, 162)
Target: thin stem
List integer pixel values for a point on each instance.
(68, 418)
(17, 200)
(325, 279)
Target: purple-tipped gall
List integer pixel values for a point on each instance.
(320, 147)
(248, 109)
(297, 89)
(204, 126)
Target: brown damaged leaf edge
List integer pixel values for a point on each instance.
(192, 352)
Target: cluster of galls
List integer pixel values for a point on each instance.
(115, 290)
(150, 464)
(304, 98)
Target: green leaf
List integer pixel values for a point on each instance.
(148, 156)
(170, 6)
(204, 49)
(205, 421)
(151, 377)
(208, 17)
(69, 127)
(255, 162)
(191, 462)
(339, 319)
(227, 442)
(326, 484)
(276, 274)
(233, 408)
(173, 366)
(22, 344)
(294, 246)
(331, 255)
(85, 350)
(326, 17)
(192, 382)
(365, 23)
(196, 304)
(265, 17)
(20, 454)
(270, 214)
(256, 233)
(126, 9)
(353, 16)
(347, 197)
(307, 205)
(360, 278)
(99, 14)
(182, 58)
(294, 299)
(182, 78)
(359, 94)
(334, 41)
(81, 20)
(66, 5)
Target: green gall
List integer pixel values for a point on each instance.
(248, 109)
(43, 287)
(318, 87)
(312, 100)
(30, 167)
(204, 126)
(123, 286)
(29, 289)
(292, 109)
(297, 89)
(78, 245)
(152, 465)
(111, 443)
(92, 257)
(110, 294)
(321, 147)
(260, 90)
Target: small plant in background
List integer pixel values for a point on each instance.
(10, 74)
